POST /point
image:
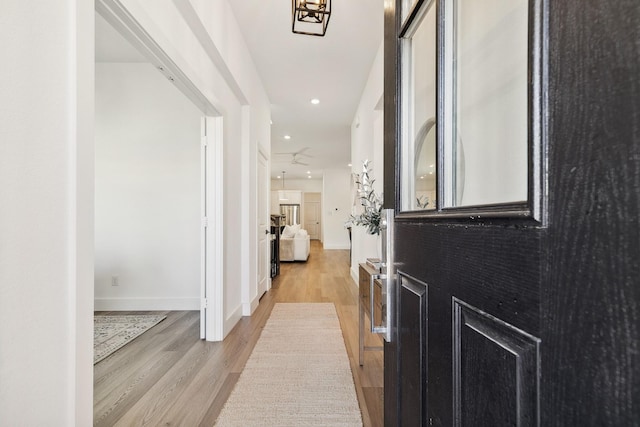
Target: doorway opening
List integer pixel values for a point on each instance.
(158, 179)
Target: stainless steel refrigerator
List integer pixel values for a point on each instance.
(291, 214)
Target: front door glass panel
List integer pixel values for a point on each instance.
(469, 90)
(488, 151)
(407, 6)
(419, 191)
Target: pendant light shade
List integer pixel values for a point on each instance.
(310, 17)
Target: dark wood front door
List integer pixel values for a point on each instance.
(512, 165)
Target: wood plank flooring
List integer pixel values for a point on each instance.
(169, 377)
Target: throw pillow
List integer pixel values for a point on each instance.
(288, 232)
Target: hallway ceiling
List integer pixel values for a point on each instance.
(294, 69)
(297, 68)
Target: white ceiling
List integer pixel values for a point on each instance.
(294, 69)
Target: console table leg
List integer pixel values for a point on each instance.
(361, 331)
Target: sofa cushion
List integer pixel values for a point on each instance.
(289, 231)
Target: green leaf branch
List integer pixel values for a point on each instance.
(370, 201)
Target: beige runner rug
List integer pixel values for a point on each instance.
(297, 375)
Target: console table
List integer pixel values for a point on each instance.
(364, 304)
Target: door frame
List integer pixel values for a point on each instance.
(212, 254)
(263, 186)
(212, 289)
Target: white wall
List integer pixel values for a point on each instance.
(304, 185)
(46, 213)
(367, 144)
(147, 201)
(336, 207)
(46, 190)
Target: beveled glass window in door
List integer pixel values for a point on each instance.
(486, 147)
(418, 167)
(407, 7)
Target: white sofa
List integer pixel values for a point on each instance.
(294, 244)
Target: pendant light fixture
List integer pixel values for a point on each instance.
(282, 196)
(310, 17)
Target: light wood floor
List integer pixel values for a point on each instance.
(169, 377)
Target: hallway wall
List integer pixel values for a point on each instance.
(367, 144)
(46, 189)
(46, 213)
(335, 208)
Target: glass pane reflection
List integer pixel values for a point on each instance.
(490, 114)
(425, 166)
(407, 5)
(418, 182)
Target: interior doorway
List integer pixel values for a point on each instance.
(312, 215)
(178, 181)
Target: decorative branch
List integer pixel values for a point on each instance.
(370, 201)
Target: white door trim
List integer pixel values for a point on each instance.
(262, 188)
(214, 263)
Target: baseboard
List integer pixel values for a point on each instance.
(330, 246)
(232, 320)
(249, 308)
(146, 304)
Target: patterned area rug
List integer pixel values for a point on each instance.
(297, 375)
(112, 332)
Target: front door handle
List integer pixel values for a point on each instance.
(372, 284)
(387, 278)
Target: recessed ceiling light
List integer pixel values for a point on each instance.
(278, 177)
(430, 173)
(422, 177)
(431, 166)
(287, 137)
(349, 165)
(309, 177)
(308, 172)
(315, 101)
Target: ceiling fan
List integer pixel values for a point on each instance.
(294, 156)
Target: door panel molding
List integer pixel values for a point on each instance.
(412, 350)
(496, 370)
